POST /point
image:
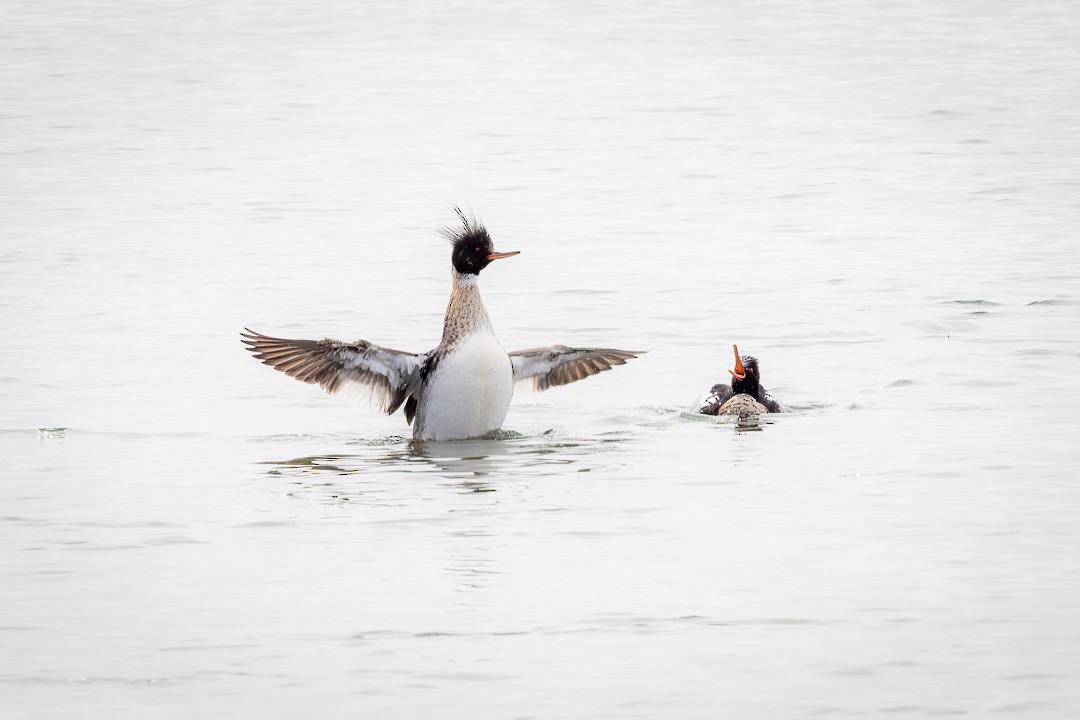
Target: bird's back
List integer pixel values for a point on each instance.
(742, 405)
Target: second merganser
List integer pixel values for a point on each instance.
(744, 396)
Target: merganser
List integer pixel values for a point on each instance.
(744, 396)
(462, 388)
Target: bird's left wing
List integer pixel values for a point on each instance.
(558, 365)
(380, 375)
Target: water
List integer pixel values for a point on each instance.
(880, 201)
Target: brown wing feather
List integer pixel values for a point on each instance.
(381, 375)
(560, 365)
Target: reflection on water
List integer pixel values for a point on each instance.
(479, 465)
(749, 423)
(470, 465)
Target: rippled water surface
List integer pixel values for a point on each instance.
(879, 200)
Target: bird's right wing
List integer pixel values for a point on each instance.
(558, 365)
(382, 376)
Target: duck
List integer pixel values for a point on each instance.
(462, 388)
(744, 396)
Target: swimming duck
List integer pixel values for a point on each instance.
(744, 396)
(462, 388)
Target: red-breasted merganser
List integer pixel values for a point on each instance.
(459, 390)
(744, 396)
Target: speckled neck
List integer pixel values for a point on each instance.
(465, 313)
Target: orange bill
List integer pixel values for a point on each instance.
(496, 256)
(739, 371)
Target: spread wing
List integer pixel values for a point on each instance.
(559, 365)
(382, 376)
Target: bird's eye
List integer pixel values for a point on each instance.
(479, 249)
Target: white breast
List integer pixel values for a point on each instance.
(469, 392)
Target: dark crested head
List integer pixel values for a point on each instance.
(750, 383)
(473, 249)
(746, 377)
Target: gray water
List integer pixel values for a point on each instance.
(879, 200)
